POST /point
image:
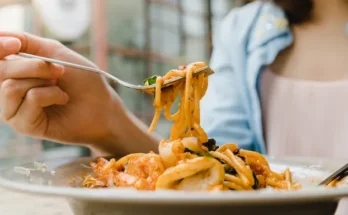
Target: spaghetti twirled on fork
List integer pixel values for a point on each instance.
(188, 160)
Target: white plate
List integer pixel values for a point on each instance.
(309, 200)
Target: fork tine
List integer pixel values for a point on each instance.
(335, 175)
(151, 88)
(206, 70)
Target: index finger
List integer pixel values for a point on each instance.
(31, 44)
(29, 68)
(9, 46)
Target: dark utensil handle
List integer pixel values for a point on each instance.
(335, 175)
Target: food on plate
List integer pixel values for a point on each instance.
(188, 160)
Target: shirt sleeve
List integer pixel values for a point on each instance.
(223, 115)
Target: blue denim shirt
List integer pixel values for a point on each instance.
(248, 39)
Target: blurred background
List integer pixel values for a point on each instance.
(132, 39)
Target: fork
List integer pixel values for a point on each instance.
(147, 89)
(339, 174)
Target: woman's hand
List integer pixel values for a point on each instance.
(63, 104)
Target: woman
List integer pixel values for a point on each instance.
(267, 57)
(283, 63)
(280, 78)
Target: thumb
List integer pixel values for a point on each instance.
(9, 46)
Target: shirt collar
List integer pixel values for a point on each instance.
(269, 24)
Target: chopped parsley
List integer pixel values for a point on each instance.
(200, 154)
(256, 184)
(150, 81)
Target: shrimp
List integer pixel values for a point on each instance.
(170, 151)
(104, 169)
(122, 163)
(135, 170)
(141, 172)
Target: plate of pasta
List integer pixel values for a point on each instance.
(189, 174)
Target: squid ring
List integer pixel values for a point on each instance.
(200, 173)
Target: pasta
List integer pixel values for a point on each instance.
(188, 160)
(187, 119)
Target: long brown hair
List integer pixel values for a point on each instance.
(297, 11)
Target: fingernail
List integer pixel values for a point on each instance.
(10, 43)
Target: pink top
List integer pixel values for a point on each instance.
(304, 118)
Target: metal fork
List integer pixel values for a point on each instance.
(147, 89)
(339, 174)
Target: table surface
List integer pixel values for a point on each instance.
(14, 203)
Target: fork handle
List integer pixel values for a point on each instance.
(64, 63)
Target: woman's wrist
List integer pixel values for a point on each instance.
(127, 134)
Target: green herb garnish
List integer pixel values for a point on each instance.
(150, 81)
(256, 184)
(205, 154)
(200, 154)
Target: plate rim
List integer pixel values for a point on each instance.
(132, 196)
